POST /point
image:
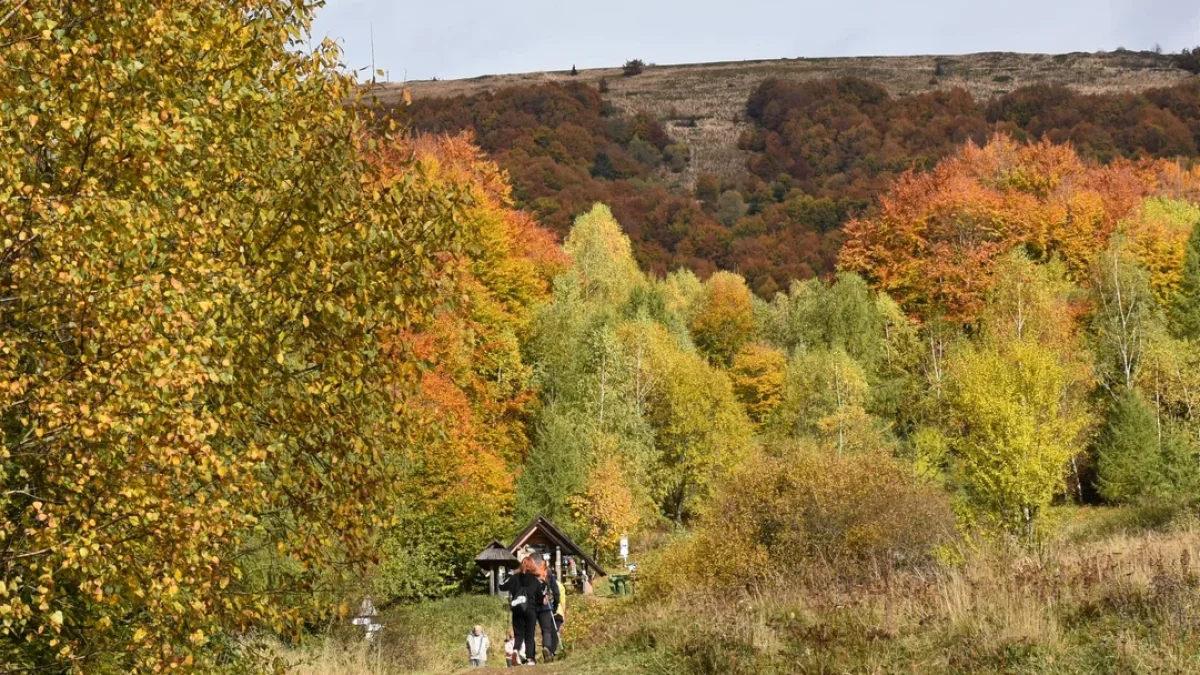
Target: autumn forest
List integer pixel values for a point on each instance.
(916, 390)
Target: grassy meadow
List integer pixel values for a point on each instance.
(1112, 591)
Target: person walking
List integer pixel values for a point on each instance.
(477, 646)
(560, 610)
(525, 592)
(547, 610)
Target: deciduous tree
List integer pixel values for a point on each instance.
(1016, 427)
(724, 319)
(208, 277)
(606, 506)
(758, 375)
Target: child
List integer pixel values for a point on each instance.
(477, 646)
(510, 650)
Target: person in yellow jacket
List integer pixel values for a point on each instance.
(560, 607)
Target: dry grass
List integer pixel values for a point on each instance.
(1126, 603)
(714, 94)
(1121, 602)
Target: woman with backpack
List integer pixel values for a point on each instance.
(547, 611)
(526, 592)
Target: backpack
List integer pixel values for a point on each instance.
(524, 598)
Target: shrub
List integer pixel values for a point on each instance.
(808, 514)
(677, 156)
(708, 187)
(633, 67)
(1189, 60)
(645, 153)
(604, 85)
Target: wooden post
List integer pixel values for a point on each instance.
(558, 562)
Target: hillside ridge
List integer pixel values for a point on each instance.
(704, 103)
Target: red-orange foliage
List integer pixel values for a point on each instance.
(846, 139)
(473, 405)
(565, 149)
(820, 153)
(933, 244)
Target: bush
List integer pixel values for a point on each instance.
(1189, 60)
(645, 153)
(633, 67)
(677, 156)
(808, 514)
(604, 85)
(708, 187)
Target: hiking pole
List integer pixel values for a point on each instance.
(562, 648)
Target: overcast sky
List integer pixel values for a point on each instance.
(465, 38)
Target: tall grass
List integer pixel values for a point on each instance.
(426, 638)
(1124, 603)
(1105, 597)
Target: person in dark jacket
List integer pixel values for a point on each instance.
(547, 610)
(526, 592)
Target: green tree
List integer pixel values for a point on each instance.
(1125, 316)
(1030, 301)
(701, 432)
(1017, 427)
(602, 258)
(1185, 309)
(846, 315)
(731, 207)
(825, 397)
(1129, 451)
(557, 466)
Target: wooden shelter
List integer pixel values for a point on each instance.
(544, 537)
(496, 559)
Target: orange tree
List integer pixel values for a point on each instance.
(201, 268)
(934, 243)
(477, 395)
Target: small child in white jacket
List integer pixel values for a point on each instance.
(477, 646)
(510, 650)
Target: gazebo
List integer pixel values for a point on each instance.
(493, 559)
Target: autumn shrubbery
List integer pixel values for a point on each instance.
(805, 514)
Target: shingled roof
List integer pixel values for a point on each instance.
(557, 537)
(495, 555)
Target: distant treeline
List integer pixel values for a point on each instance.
(820, 152)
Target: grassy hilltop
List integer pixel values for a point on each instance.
(714, 94)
